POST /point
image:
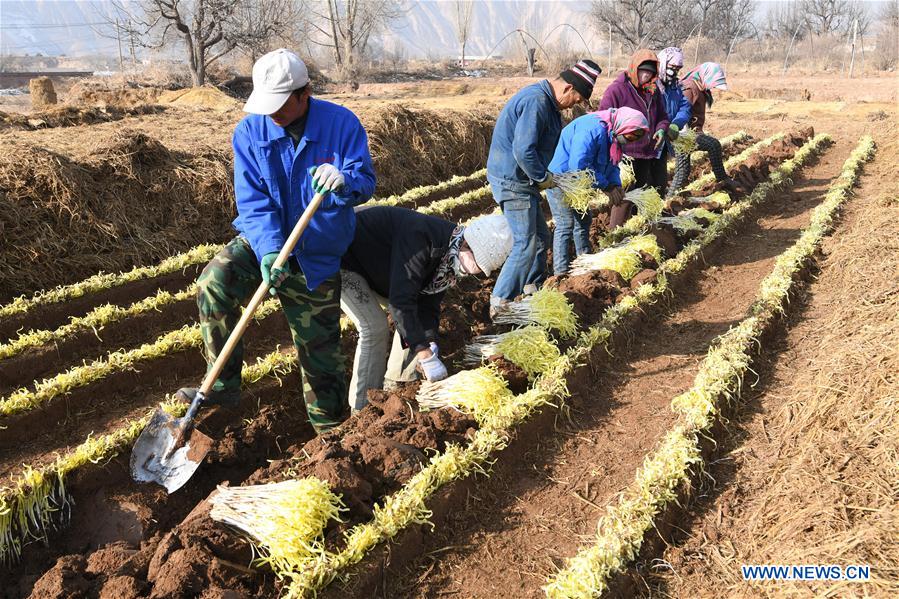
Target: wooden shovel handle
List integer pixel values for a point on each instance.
(259, 296)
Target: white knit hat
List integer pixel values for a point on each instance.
(490, 239)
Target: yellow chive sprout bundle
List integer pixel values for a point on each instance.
(528, 347)
(479, 392)
(548, 308)
(722, 198)
(577, 188)
(702, 213)
(648, 244)
(648, 201)
(682, 222)
(626, 170)
(623, 259)
(286, 519)
(685, 142)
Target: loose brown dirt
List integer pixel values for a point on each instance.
(821, 421)
(110, 548)
(529, 518)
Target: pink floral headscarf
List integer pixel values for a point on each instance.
(621, 121)
(708, 75)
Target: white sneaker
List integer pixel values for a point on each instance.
(529, 289)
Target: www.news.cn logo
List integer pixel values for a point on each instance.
(806, 572)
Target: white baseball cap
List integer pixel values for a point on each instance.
(275, 76)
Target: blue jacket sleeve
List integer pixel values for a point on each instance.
(259, 214)
(357, 168)
(683, 111)
(526, 136)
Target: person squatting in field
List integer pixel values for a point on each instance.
(287, 136)
(636, 88)
(698, 85)
(593, 141)
(524, 139)
(405, 260)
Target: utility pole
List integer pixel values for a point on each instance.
(118, 35)
(133, 55)
(787, 57)
(699, 41)
(609, 69)
(854, 36)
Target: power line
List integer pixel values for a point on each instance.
(51, 25)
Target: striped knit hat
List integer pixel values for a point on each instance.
(582, 77)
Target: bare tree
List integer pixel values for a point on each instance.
(462, 19)
(784, 19)
(346, 27)
(731, 22)
(887, 49)
(827, 16)
(209, 29)
(644, 23)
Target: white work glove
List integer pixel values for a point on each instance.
(432, 367)
(326, 178)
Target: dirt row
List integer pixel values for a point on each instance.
(820, 418)
(363, 466)
(536, 511)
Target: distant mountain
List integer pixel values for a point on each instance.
(427, 30)
(54, 28)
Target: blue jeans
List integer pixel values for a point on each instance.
(526, 263)
(569, 223)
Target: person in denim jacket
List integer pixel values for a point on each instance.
(524, 139)
(593, 141)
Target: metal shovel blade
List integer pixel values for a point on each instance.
(152, 458)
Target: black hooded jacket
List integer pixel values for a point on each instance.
(397, 250)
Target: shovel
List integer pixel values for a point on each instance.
(169, 450)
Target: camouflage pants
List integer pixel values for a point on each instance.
(230, 279)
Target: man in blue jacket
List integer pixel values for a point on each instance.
(287, 137)
(524, 139)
